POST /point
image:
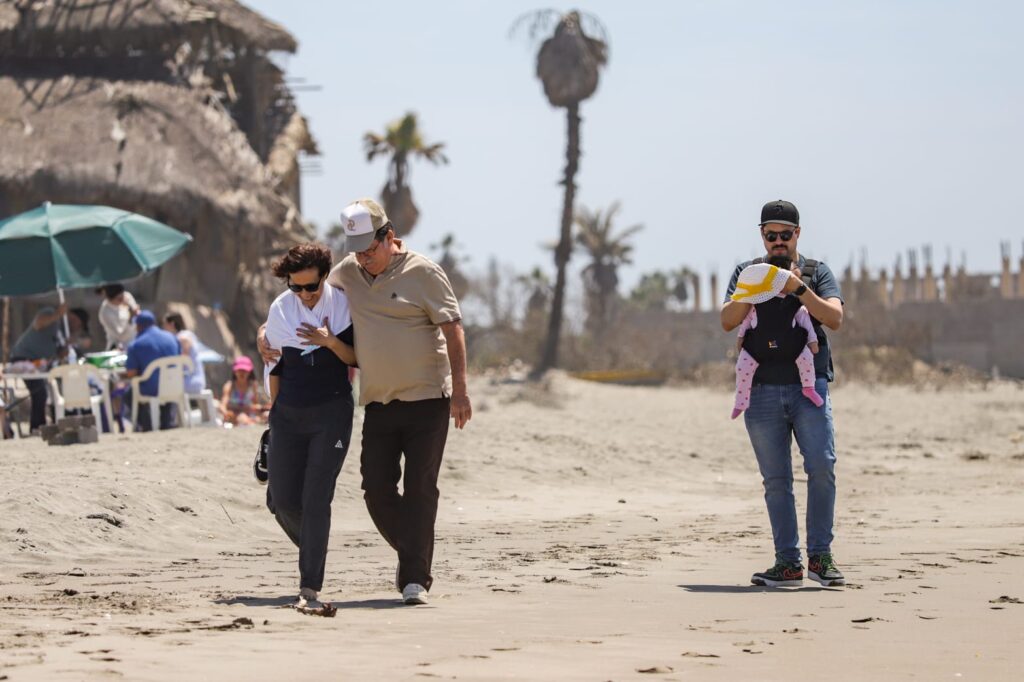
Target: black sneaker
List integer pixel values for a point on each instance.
(781, 574)
(822, 568)
(259, 465)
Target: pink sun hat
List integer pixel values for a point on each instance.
(242, 363)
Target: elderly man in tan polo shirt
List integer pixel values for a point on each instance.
(411, 351)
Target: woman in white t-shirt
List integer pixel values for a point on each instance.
(116, 313)
(195, 382)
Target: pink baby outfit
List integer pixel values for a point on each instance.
(746, 365)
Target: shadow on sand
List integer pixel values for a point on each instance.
(746, 589)
(278, 602)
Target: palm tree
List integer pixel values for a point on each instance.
(652, 292)
(449, 262)
(684, 285)
(568, 65)
(607, 252)
(401, 140)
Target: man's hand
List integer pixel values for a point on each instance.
(793, 283)
(266, 351)
(462, 411)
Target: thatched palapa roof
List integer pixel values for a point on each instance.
(168, 152)
(36, 27)
(170, 144)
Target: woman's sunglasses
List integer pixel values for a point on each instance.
(311, 288)
(770, 237)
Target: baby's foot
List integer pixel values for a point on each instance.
(813, 396)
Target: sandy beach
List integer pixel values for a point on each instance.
(586, 532)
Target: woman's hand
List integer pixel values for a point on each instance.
(318, 336)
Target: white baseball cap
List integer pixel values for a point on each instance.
(361, 219)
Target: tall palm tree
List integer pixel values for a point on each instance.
(568, 66)
(607, 253)
(401, 141)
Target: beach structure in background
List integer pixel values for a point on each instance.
(952, 316)
(171, 109)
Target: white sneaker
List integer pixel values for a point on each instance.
(306, 595)
(414, 593)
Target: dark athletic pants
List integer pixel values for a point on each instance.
(37, 396)
(37, 392)
(307, 448)
(419, 430)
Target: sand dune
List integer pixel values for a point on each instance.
(586, 532)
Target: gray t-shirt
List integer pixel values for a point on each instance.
(37, 344)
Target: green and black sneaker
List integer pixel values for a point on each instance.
(782, 574)
(822, 568)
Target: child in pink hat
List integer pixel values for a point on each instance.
(240, 402)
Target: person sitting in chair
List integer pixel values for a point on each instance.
(151, 343)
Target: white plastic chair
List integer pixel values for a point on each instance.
(208, 415)
(170, 389)
(72, 393)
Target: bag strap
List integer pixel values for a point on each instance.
(807, 272)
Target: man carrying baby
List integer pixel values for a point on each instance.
(779, 410)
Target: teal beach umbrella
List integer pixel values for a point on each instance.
(56, 247)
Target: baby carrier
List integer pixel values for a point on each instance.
(775, 342)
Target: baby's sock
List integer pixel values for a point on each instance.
(813, 396)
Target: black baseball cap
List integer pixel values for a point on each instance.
(783, 212)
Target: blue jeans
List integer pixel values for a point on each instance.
(775, 415)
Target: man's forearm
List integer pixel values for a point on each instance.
(828, 312)
(456, 340)
(733, 313)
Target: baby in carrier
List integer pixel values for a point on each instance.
(781, 335)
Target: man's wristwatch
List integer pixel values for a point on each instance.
(800, 290)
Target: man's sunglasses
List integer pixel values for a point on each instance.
(311, 288)
(770, 237)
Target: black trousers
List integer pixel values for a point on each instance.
(307, 448)
(37, 394)
(168, 415)
(419, 430)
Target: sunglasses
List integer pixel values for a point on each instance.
(770, 237)
(370, 252)
(311, 288)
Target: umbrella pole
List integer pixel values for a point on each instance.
(5, 348)
(67, 327)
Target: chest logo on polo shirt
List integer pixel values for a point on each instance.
(773, 345)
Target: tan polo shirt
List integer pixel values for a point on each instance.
(401, 351)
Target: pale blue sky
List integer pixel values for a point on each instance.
(890, 124)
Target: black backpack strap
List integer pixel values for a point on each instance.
(807, 272)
